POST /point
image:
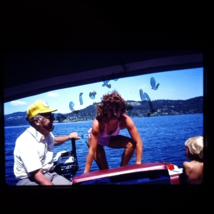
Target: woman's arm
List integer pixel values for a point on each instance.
(129, 124)
(92, 145)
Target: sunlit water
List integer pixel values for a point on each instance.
(163, 140)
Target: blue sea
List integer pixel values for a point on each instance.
(163, 140)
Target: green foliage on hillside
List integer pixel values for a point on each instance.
(60, 118)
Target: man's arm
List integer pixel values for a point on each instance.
(40, 178)
(61, 139)
(136, 137)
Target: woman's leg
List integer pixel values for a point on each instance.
(121, 141)
(100, 156)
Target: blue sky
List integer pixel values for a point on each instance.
(174, 85)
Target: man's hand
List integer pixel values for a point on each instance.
(74, 135)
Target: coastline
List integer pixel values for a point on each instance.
(81, 121)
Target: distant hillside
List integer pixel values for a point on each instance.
(16, 119)
(167, 107)
(134, 109)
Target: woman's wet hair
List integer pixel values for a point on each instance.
(195, 146)
(110, 101)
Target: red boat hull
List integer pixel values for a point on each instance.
(136, 168)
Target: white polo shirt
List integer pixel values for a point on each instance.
(33, 151)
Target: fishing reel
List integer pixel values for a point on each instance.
(65, 162)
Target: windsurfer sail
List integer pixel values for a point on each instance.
(153, 83)
(92, 94)
(71, 105)
(80, 97)
(106, 83)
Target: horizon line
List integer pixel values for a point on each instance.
(99, 102)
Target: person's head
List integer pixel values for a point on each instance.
(194, 148)
(111, 107)
(40, 116)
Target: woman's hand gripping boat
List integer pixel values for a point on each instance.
(145, 173)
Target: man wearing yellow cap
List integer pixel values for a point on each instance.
(33, 152)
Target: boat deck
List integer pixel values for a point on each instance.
(128, 170)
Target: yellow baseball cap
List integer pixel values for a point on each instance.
(39, 106)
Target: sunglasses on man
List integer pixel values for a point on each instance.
(47, 116)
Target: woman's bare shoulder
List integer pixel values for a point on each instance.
(126, 121)
(187, 165)
(194, 171)
(193, 166)
(97, 126)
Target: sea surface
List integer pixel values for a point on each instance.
(163, 140)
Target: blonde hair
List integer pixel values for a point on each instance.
(196, 146)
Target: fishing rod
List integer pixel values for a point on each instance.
(73, 144)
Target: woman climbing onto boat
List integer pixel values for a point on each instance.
(111, 118)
